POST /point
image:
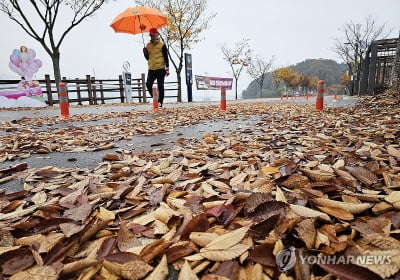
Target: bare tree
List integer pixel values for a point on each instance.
(46, 12)
(186, 21)
(238, 58)
(258, 70)
(354, 44)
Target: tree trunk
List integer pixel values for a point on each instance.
(55, 58)
(179, 79)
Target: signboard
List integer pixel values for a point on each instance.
(189, 78)
(127, 81)
(213, 83)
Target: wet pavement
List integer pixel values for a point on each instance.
(138, 143)
(9, 115)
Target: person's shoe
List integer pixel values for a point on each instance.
(160, 104)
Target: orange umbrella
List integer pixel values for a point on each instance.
(138, 19)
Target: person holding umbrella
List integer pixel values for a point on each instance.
(156, 54)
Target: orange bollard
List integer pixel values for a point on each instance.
(155, 98)
(63, 98)
(222, 106)
(319, 105)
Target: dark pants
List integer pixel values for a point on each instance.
(158, 75)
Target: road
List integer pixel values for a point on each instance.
(139, 143)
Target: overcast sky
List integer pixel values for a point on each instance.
(290, 30)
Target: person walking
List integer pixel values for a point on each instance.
(156, 54)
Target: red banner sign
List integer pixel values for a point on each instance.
(213, 83)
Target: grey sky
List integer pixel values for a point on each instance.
(290, 30)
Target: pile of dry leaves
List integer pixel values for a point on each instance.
(308, 184)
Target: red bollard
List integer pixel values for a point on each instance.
(63, 98)
(319, 105)
(155, 98)
(222, 106)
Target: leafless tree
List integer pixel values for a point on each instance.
(354, 43)
(238, 58)
(39, 20)
(258, 69)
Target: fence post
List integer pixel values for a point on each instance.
(78, 91)
(89, 89)
(94, 93)
(319, 105)
(49, 90)
(63, 100)
(101, 92)
(223, 99)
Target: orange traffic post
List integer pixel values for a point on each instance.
(155, 98)
(319, 104)
(222, 106)
(63, 97)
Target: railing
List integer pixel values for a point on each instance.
(94, 91)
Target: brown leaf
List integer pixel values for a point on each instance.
(126, 239)
(79, 213)
(263, 254)
(198, 224)
(37, 272)
(152, 250)
(353, 208)
(307, 232)
(229, 269)
(350, 272)
(6, 238)
(363, 174)
(256, 199)
(224, 213)
(393, 151)
(228, 239)
(133, 270)
(187, 273)
(268, 209)
(337, 213)
(79, 265)
(160, 272)
(296, 181)
(224, 254)
(111, 157)
(263, 228)
(16, 260)
(177, 252)
(318, 175)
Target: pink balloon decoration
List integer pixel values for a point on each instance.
(23, 62)
(15, 59)
(31, 53)
(38, 62)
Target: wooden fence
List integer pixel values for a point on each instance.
(94, 91)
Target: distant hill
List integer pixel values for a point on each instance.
(325, 69)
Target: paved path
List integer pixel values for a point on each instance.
(139, 143)
(9, 115)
